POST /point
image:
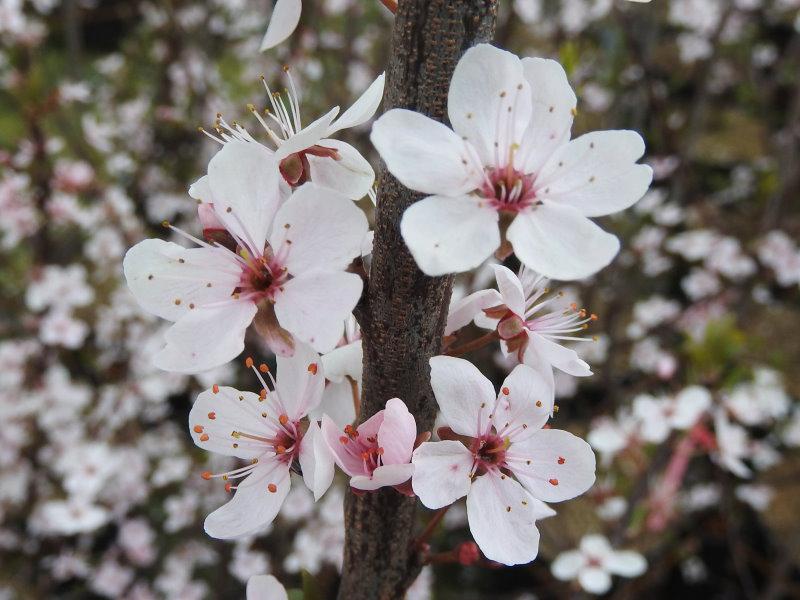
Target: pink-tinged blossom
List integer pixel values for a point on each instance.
(507, 173)
(265, 587)
(530, 325)
(269, 430)
(279, 263)
(308, 153)
(378, 452)
(659, 416)
(594, 562)
(500, 456)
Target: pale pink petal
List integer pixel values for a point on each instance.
(502, 520)
(313, 307)
(425, 155)
(387, 475)
(308, 136)
(282, 23)
(170, 281)
(450, 234)
(544, 351)
(323, 229)
(553, 465)
(316, 461)
(596, 173)
(299, 381)
(334, 437)
(567, 565)
(465, 397)
(265, 587)
(463, 311)
(487, 91)
(244, 180)
(510, 289)
(205, 338)
(397, 433)
(560, 243)
(626, 563)
(441, 472)
(526, 407)
(362, 109)
(553, 110)
(594, 580)
(253, 504)
(349, 174)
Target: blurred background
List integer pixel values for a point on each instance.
(100, 487)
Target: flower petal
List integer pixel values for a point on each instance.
(560, 243)
(526, 407)
(397, 433)
(594, 580)
(201, 190)
(450, 234)
(337, 403)
(299, 381)
(541, 350)
(502, 520)
(244, 180)
(253, 504)
(308, 136)
(350, 463)
(552, 112)
(169, 280)
(362, 109)
(387, 475)
(344, 361)
(553, 465)
(323, 230)
(489, 100)
(596, 173)
(626, 563)
(425, 155)
(282, 23)
(265, 587)
(441, 472)
(510, 289)
(313, 307)
(316, 461)
(463, 311)
(349, 174)
(465, 396)
(206, 338)
(567, 565)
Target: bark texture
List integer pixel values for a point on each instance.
(403, 311)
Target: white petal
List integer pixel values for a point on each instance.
(307, 137)
(349, 174)
(690, 403)
(299, 381)
(217, 415)
(502, 521)
(464, 395)
(510, 288)
(201, 190)
(344, 361)
(316, 461)
(362, 109)
(337, 403)
(386, 475)
(450, 234)
(265, 587)
(527, 406)
(425, 155)
(596, 173)
(560, 243)
(253, 505)
(594, 580)
(542, 350)
(489, 100)
(567, 565)
(206, 338)
(626, 563)
(282, 23)
(325, 230)
(465, 310)
(244, 180)
(441, 472)
(314, 307)
(169, 280)
(553, 465)
(596, 545)
(397, 433)
(552, 113)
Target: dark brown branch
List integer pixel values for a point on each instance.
(407, 310)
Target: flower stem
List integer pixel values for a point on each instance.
(429, 528)
(473, 345)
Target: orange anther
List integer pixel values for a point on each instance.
(283, 419)
(280, 449)
(206, 475)
(248, 362)
(263, 368)
(228, 487)
(561, 460)
(379, 452)
(204, 437)
(272, 488)
(198, 429)
(553, 481)
(212, 415)
(263, 393)
(351, 431)
(312, 368)
(215, 388)
(573, 306)
(593, 317)
(344, 439)
(365, 455)
(539, 404)
(506, 391)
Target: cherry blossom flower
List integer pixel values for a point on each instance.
(733, 445)
(529, 325)
(308, 153)
(378, 452)
(508, 167)
(498, 454)
(659, 416)
(343, 370)
(265, 587)
(282, 23)
(270, 432)
(593, 564)
(280, 264)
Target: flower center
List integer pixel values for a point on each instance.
(490, 453)
(261, 277)
(366, 449)
(296, 169)
(509, 190)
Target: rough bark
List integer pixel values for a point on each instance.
(403, 312)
